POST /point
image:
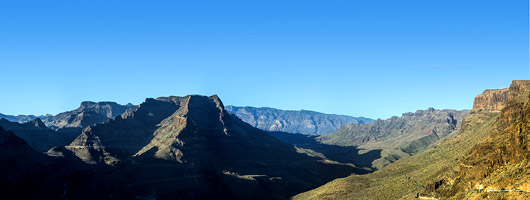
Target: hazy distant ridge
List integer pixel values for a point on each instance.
(303, 121)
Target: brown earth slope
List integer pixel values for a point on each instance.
(443, 166)
(501, 161)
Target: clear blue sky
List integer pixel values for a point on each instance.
(360, 58)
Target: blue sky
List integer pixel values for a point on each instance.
(362, 58)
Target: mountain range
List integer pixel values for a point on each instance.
(197, 149)
(20, 118)
(61, 129)
(373, 146)
(193, 147)
(303, 121)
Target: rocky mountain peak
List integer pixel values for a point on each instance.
(519, 90)
(87, 104)
(206, 114)
(38, 123)
(106, 108)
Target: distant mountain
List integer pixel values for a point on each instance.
(62, 129)
(305, 122)
(402, 136)
(38, 136)
(87, 114)
(192, 148)
(20, 118)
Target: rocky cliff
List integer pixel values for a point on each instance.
(496, 99)
(491, 100)
(305, 122)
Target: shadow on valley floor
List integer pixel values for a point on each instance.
(342, 154)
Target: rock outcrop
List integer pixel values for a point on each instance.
(304, 122)
(496, 99)
(491, 100)
(518, 90)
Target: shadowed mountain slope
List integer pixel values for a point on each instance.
(28, 174)
(304, 121)
(38, 136)
(191, 147)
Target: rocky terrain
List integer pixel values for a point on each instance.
(491, 100)
(501, 160)
(399, 137)
(488, 153)
(45, 132)
(304, 121)
(87, 114)
(191, 147)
